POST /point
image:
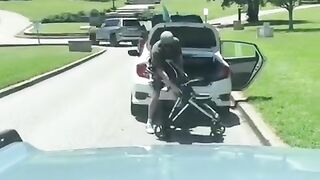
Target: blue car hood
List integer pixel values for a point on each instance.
(22, 161)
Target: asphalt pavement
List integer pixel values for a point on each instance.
(12, 24)
(89, 107)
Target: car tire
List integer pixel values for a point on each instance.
(113, 40)
(138, 110)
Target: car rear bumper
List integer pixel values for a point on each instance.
(220, 92)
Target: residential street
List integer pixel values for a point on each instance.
(12, 23)
(89, 106)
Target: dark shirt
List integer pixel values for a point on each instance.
(158, 60)
(160, 54)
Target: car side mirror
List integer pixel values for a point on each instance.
(133, 53)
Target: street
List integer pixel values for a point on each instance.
(89, 107)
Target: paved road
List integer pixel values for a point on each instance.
(89, 106)
(12, 23)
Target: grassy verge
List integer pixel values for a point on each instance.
(38, 9)
(196, 7)
(51, 28)
(21, 63)
(287, 92)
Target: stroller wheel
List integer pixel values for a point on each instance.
(161, 132)
(217, 129)
(221, 129)
(212, 134)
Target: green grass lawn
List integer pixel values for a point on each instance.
(38, 9)
(62, 28)
(287, 92)
(196, 7)
(22, 63)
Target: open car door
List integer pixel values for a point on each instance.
(245, 61)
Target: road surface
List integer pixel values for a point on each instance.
(89, 107)
(12, 23)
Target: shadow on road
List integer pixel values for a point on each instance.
(191, 119)
(187, 137)
(230, 120)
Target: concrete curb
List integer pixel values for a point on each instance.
(50, 37)
(26, 33)
(27, 83)
(264, 132)
(33, 44)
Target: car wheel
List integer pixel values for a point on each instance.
(138, 110)
(113, 40)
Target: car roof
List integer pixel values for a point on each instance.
(182, 24)
(121, 18)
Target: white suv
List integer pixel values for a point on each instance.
(226, 66)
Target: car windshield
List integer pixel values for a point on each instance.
(159, 89)
(191, 37)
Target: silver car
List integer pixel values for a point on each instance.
(116, 30)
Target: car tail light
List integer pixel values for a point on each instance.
(223, 72)
(142, 70)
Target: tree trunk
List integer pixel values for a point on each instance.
(253, 11)
(290, 9)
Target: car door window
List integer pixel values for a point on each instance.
(245, 62)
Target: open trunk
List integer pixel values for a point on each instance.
(206, 67)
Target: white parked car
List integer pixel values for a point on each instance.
(226, 65)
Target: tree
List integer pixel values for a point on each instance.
(288, 5)
(253, 7)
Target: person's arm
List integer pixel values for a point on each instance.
(167, 82)
(179, 65)
(179, 60)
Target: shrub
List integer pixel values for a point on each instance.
(80, 16)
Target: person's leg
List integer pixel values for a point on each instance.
(152, 110)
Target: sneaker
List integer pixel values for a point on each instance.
(149, 128)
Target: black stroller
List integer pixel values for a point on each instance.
(188, 98)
